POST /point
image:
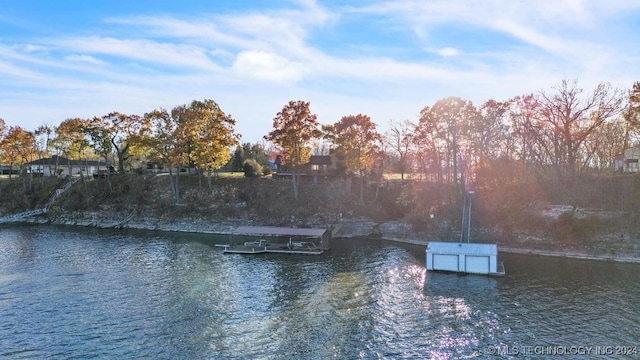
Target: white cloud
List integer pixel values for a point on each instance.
(267, 66)
(165, 53)
(447, 51)
(221, 53)
(84, 59)
(552, 26)
(34, 48)
(283, 31)
(17, 72)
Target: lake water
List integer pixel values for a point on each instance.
(83, 293)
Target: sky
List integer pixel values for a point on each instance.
(387, 59)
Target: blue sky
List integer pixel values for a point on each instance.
(387, 59)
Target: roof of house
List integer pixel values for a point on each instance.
(63, 161)
(320, 160)
(278, 231)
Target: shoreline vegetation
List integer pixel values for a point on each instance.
(144, 202)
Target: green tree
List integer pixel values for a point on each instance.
(238, 159)
(294, 128)
(256, 152)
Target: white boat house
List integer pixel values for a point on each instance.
(472, 258)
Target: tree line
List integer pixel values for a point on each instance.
(556, 133)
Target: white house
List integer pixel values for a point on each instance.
(61, 166)
(631, 159)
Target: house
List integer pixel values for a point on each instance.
(7, 170)
(61, 166)
(630, 160)
(318, 169)
(320, 164)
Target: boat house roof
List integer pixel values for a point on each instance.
(278, 231)
(462, 248)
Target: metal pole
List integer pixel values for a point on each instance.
(464, 209)
(469, 224)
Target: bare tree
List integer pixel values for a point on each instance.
(400, 138)
(575, 119)
(632, 116)
(604, 145)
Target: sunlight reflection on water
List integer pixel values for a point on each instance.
(82, 293)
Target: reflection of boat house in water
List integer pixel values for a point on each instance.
(281, 240)
(470, 258)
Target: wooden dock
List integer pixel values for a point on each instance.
(280, 240)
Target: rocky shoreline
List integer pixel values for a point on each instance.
(351, 228)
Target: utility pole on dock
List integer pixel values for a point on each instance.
(469, 222)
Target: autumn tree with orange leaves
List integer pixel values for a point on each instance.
(205, 135)
(71, 140)
(357, 142)
(199, 134)
(129, 135)
(294, 128)
(18, 147)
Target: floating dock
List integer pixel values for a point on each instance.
(280, 240)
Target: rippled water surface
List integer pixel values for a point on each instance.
(69, 293)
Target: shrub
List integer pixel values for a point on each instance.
(252, 168)
(568, 227)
